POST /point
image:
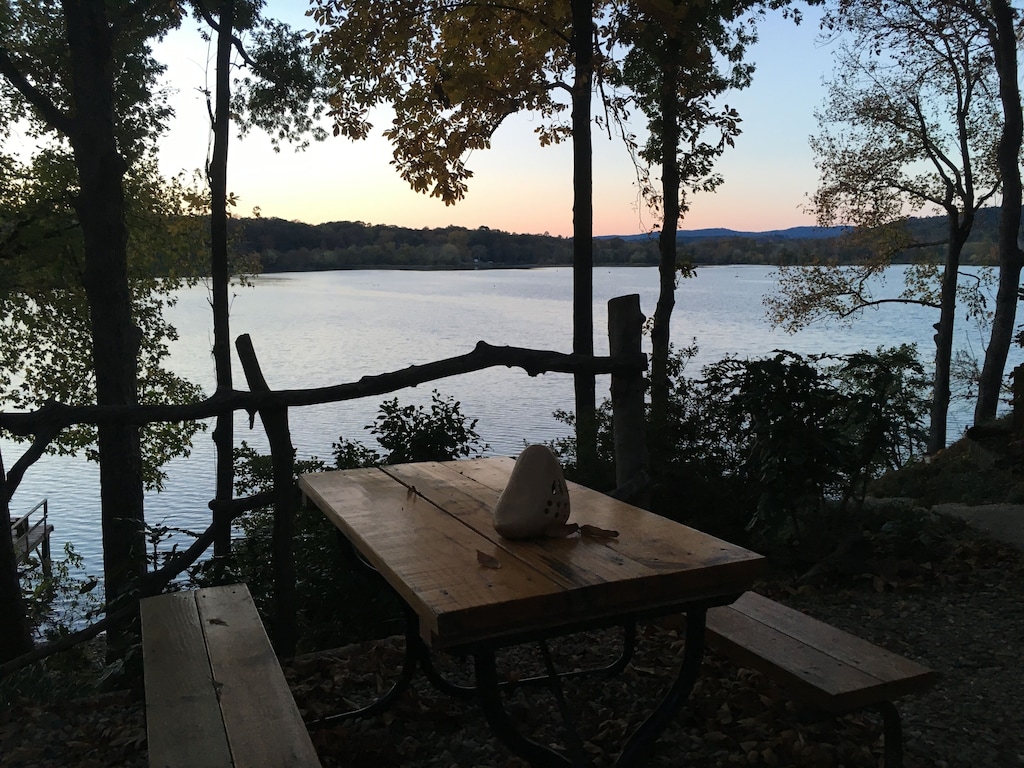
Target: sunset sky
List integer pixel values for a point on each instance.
(519, 186)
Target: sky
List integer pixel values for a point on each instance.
(519, 186)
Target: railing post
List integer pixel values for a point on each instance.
(47, 563)
(275, 421)
(1017, 417)
(625, 330)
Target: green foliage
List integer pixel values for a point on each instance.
(58, 598)
(348, 454)
(886, 404)
(682, 58)
(413, 433)
(32, 36)
(45, 331)
(293, 246)
(778, 450)
(340, 599)
(284, 94)
(452, 73)
(810, 436)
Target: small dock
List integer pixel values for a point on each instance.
(29, 535)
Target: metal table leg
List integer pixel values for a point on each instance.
(416, 653)
(639, 744)
(489, 696)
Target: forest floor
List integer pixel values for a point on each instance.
(931, 587)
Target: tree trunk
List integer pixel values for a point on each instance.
(670, 183)
(583, 235)
(15, 633)
(223, 434)
(99, 204)
(958, 232)
(1003, 39)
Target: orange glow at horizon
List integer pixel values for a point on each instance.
(517, 185)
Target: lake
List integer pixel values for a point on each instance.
(324, 328)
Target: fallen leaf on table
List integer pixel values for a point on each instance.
(598, 533)
(561, 531)
(487, 561)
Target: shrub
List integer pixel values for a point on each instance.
(341, 600)
(779, 449)
(811, 432)
(412, 433)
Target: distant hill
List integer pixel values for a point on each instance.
(291, 246)
(793, 233)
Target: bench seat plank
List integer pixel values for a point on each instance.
(831, 668)
(264, 729)
(180, 696)
(215, 694)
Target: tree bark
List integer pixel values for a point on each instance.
(667, 249)
(625, 333)
(52, 417)
(958, 232)
(99, 204)
(15, 633)
(224, 432)
(282, 454)
(583, 235)
(1002, 36)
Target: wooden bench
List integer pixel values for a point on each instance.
(824, 665)
(215, 693)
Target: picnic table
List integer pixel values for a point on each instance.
(427, 529)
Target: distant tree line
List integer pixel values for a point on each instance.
(292, 246)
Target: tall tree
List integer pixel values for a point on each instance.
(75, 94)
(281, 93)
(682, 58)
(452, 72)
(584, 385)
(910, 122)
(1001, 23)
(217, 173)
(45, 333)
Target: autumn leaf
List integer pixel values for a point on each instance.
(598, 533)
(561, 531)
(487, 561)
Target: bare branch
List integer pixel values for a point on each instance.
(56, 416)
(49, 111)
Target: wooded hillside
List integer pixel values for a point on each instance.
(291, 246)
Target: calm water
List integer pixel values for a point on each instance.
(316, 329)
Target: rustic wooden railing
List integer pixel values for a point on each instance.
(626, 365)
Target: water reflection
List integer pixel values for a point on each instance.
(320, 329)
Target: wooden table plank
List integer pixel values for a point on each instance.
(421, 526)
(650, 552)
(177, 673)
(571, 562)
(431, 559)
(239, 654)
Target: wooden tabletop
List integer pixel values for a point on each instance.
(428, 529)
